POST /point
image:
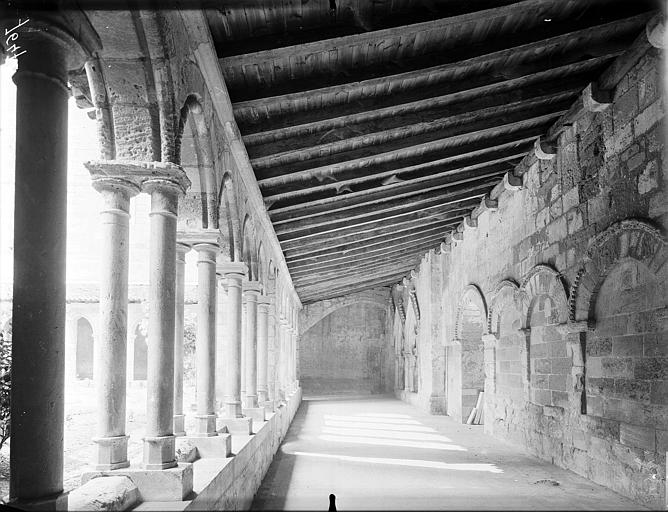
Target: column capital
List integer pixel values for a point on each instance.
(232, 269)
(204, 237)
(181, 249)
(283, 321)
(252, 288)
(148, 176)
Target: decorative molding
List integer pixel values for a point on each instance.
(629, 238)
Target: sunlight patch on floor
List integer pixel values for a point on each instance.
(384, 441)
(371, 419)
(378, 426)
(488, 468)
(413, 436)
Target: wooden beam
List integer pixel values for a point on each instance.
(371, 249)
(461, 93)
(373, 144)
(386, 197)
(361, 240)
(513, 143)
(464, 103)
(305, 227)
(365, 271)
(591, 41)
(366, 214)
(298, 269)
(369, 192)
(438, 211)
(323, 292)
(414, 155)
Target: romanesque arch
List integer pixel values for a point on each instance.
(84, 349)
(544, 310)
(194, 154)
(310, 316)
(465, 369)
(505, 347)
(228, 219)
(619, 294)
(248, 250)
(632, 239)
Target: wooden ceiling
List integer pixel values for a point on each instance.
(375, 127)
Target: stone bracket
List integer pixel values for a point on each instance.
(595, 99)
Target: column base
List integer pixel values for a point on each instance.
(268, 405)
(179, 425)
(262, 395)
(159, 452)
(191, 448)
(256, 413)
(250, 402)
(173, 484)
(56, 502)
(242, 425)
(231, 410)
(205, 425)
(112, 453)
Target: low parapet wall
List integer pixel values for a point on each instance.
(231, 484)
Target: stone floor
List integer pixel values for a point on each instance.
(380, 453)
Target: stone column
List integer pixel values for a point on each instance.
(205, 349)
(251, 292)
(40, 228)
(272, 358)
(165, 186)
(110, 349)
(283, 379)
(262, 348)
(222, 329)
(179, 416)
(244, 341)
(234, 273)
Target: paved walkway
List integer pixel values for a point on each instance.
(383, 454)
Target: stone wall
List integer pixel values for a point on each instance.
(570, 274)
(344, 345)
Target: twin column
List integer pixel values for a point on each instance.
(118, 181)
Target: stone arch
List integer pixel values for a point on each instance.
(194, 153)
(543, 280)
(544, 309)
(470, 296)
(248, 250)
(629, 238)
(228, 219)
(311, 319)
(466, 359)
(506, 293)
(140, 350)
(84, 349)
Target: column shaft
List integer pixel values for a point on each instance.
(221, 335)
(262, 349)
(205, 349)
(111, 347)
(232, 400)
(38, 310)
(159, 441)
(251, 293)
(179, 417)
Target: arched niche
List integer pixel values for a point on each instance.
(465, 363)
(505, 360)
(620, 295)
(140, 351)
(545, 313)
(84, 349)
(193, 153)
(228, 220)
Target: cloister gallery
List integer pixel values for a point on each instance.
(432, 233)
